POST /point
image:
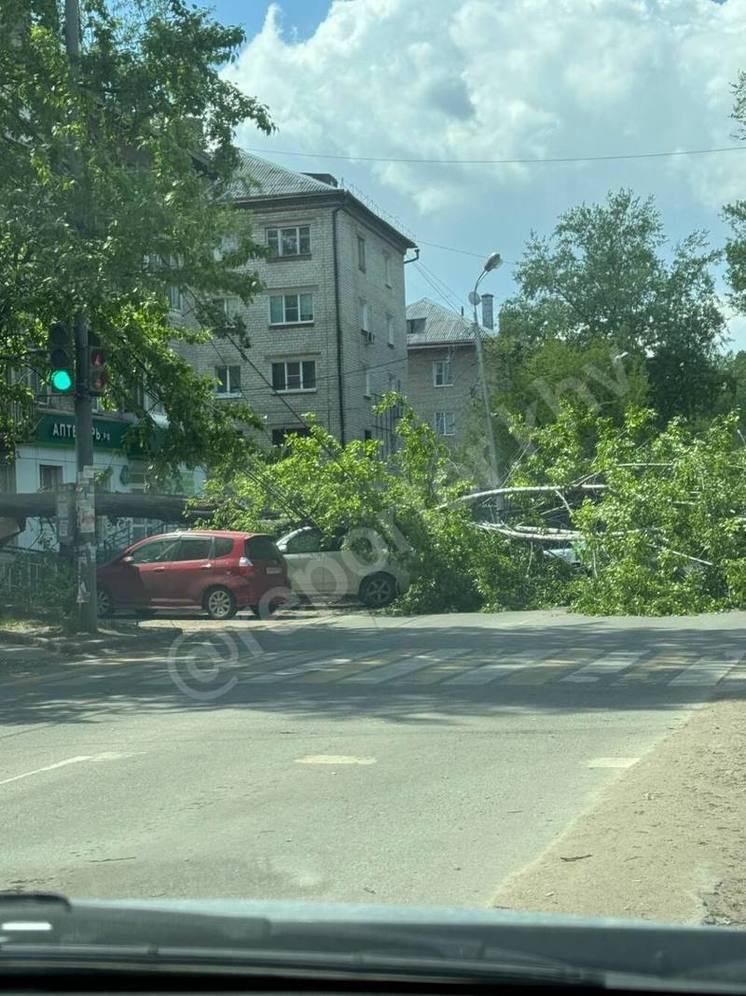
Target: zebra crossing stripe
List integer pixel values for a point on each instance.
(602, 666)
(395, 670)
(356, 665)
(486, 673)
(271, 677)
(704, 673)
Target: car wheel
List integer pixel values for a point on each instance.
(220, 603)
(104, 601)
(377, 590)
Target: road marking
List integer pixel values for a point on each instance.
(440, 669)
(597, 669)
(485, 673)
(106, 756)
(395, 670)
(656, 669)
(611, 762)
(355, 665)
(541, 672)
(316, 665)
(704, 673)
(334, 759)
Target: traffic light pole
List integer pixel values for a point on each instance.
(85, 533)
(85, 519)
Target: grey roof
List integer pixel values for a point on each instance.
(440, 325)
(257, 177)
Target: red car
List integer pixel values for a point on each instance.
(217, 570)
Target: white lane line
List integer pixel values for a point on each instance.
(106, 756)
(291, 672)
(484, 673)
(602, 666)
(334, 759)
(704, 673)
(611, 762)
(394, 670)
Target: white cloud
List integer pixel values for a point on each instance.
(497, 79)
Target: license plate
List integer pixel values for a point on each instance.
(273, 570)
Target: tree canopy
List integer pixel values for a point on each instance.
(117, 171)
(606, 289)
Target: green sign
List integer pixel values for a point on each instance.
(60, 430)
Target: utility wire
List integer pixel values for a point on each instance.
(549, 161)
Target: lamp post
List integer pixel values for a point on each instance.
(493, 261)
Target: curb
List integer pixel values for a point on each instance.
(104, 642)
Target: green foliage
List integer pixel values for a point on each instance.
(453, 566)
(115, 185)
(669, 533)
(603, 318)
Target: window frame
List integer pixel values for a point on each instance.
(279, 229)
(364, 316)
(230, 391)
(361, 262)
(283, 297)
(51, 466)
(302, 389)
(443, 362)
(390, 337)
(367, 387)
(210, 540)
(387, 269)
(446, 416)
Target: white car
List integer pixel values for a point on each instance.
(352, 564)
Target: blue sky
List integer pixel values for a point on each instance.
(514, 79)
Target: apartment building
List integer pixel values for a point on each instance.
(328, 334)
(443, 381)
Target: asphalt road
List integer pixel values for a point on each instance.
(335, 757)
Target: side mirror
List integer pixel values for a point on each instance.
(128, 560)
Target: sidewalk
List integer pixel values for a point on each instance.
(666, 841)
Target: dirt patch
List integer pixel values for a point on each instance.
(666, 841)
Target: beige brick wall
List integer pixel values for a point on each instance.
(318, 341)
(426, 398)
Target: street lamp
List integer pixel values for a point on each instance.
(491, 263)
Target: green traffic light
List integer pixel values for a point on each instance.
(61, 380)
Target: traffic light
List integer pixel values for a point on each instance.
(98, 369)
(61, 365)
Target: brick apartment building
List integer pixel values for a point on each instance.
(443, 381)
(328, 334)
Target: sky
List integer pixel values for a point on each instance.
(496, 80)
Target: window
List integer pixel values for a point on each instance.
(50, 477)
(261, 548)
(387, 269)
(230, 306)
(442, 376)
(364, 316)
(229, 380)
(366, 382)
(174, 298)
(290, 309)
(156, 552)
(7, 478)
(294, 241)
(193, 548)
(307, 541)
(223, 547)
(294, 375)
(367, 435)
(445, 423)
(361, 253)
(279, 436)
(392, 383)
(390, 329)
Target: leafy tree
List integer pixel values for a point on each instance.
(117, 171)
(405, 500)
(601, 287)
(668, 534)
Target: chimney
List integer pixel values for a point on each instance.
(488, 317)
(326, 178)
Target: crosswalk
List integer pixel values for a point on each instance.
(465, 669)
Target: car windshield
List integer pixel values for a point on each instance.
(373, 457)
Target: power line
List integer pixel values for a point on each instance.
(549, 161)
(463, 252)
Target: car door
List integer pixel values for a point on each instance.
(131, 579)
(341, 568)
(188, 571)
(154, 568)
(306, 566)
